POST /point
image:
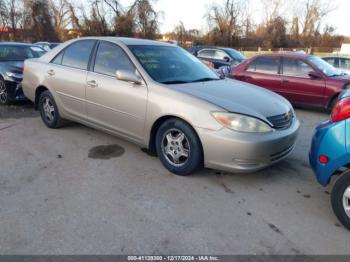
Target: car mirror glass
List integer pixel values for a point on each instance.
(128, 76)
(227, 59)
(314, 75)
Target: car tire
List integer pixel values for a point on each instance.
(4, 99)
(179, 148)
(49, 111)
(341, 199)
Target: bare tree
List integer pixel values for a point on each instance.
(12, 16)
(41, 20)
(226, 20)
(146, 18)
(61, 14)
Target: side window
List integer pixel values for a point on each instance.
(220, 54)
(58, 59)
(206, 53)
(296, 67)
(345, 63)
(331, 61)
(266, 65)
(78, 54)
(110, 58)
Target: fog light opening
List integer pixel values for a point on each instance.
(324, 159)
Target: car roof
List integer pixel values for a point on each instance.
(333, 57)
(15, 44)
(285, 54)
(127, 41)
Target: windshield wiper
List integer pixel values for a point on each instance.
(334, 75)
(174, 82)
(206, 79)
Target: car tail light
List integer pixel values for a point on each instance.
(341, 111)
(324, 159)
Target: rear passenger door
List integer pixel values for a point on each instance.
(264, 72)
(298, 86)
(66, 76)
(113, 104)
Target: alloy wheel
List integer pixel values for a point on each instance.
(3, 92)
(346, 201)
(49, 109)
(176, 147)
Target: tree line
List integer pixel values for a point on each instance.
(286, 23)
(59, 20)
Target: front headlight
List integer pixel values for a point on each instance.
(242, 123)
(11, 74)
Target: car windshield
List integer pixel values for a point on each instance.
(235, 54)
(172, 65)
(19, 53)
(325, 67)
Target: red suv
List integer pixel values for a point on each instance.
(302, 79)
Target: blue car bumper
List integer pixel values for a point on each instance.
(329, 140)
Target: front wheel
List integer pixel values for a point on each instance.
(179, 147)
(341, 199)
(4, 98)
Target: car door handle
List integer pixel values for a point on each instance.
(92, 83)
(285, 81)
(51, 72)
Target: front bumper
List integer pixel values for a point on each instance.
(245, 153)
(15, 92)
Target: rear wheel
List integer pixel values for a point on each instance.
(179, 148)
(341, 199)
(4, 99)
(49, 111)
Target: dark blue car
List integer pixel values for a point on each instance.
(218, 56)
(330, 156)
(12, 56)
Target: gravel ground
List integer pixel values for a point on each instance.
(80, 191)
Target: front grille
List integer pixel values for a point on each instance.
(282, 122)
(280, 155)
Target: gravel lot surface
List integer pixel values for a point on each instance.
(80, 191)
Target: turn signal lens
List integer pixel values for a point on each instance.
(324, 159)
(341, 111)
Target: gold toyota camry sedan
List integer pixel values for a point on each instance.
(164, 99)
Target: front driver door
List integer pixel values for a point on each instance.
(113, 104)
(298, 86)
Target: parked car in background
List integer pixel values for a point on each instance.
(47, 46)
(12, 56)
(341, 63)
(302, 79)
(164, 99)
(195, 49)
(330, 156)
(220, 57)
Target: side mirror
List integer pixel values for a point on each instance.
(227, 59)
(314, 75)
(128, 76)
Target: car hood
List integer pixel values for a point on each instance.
(238, 97)
(13, 66)
(344, 78)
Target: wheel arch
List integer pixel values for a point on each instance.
(38, 91)
(332, 100)
(156, 125)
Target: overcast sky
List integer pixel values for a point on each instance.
(192, 13)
